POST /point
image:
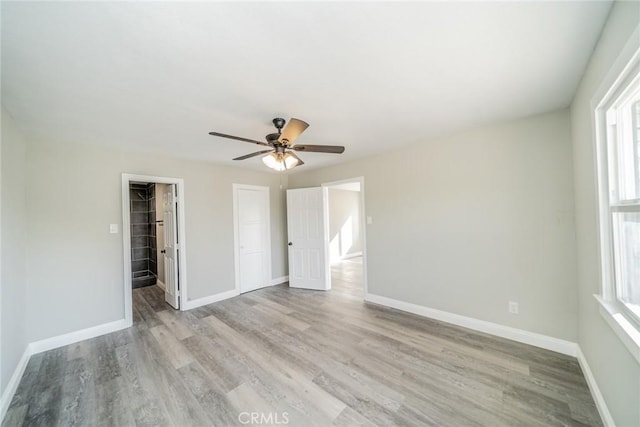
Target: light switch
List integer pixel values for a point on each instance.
(113, 228)
(369, 220)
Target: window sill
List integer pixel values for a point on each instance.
(624, 329)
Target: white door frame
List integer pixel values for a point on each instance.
(127, 178)
(363, 226)
(236, 231)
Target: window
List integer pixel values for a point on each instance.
(617, 121)
(623, 164)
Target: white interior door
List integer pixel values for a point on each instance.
(172, 291)
(308, 239)
(252, 237)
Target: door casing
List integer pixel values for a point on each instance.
(127, 178)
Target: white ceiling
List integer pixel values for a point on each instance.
(158, 77)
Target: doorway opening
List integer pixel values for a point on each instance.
(347, 236)
(154, 244)
(144, 237)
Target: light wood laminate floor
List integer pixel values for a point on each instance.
(307, 357)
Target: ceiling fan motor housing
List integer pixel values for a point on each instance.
(272, 138)
(279, 123)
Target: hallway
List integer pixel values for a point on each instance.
(347, 278)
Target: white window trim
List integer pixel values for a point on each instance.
(626, 331)
(621, 74)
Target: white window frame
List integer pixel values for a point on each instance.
(615, 90)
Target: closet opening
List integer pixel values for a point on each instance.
(153, 240)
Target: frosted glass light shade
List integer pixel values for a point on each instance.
(290, 161)
(272, 161)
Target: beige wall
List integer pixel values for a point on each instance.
(616, 371)
(75, 272)
(13, 259)
(344, 223)
(468, 222)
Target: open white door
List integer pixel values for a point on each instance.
(171, 294)
(308, 239)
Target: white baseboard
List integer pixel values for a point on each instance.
(188, 305)
(520, 335)
(49, 344)
(538, 340)
(161, 285)
(12, 386)
(603, 410)
(81, 335)
(279, 280)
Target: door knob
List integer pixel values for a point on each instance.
(163, 251)
(290, 244)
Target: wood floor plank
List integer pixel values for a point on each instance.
(78, 394)
(245, 399)
(44, 407)
(112, 406)
(182, 407)
(105, 359)
(372, 411)
(139, 389)
(15, 416)
(256, 296)
(325, 403)
(174, 349)
(46, 395)
(349, 417)
(321, 358)
(344, 373)
(280, 317)
(217, 408)
(27, 387)
(179, 329)
(218, 367)
(154, 297)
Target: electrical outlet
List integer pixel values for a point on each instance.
(513, 307)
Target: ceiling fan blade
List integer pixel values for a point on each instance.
(248, 156)
(292, 130)
(294, 155)
(338, 149)
(253, 141)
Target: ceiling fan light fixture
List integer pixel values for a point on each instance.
(272, 161)
(279, 157)
(280, 161)
(290, 161)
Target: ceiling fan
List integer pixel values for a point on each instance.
(281, 152)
